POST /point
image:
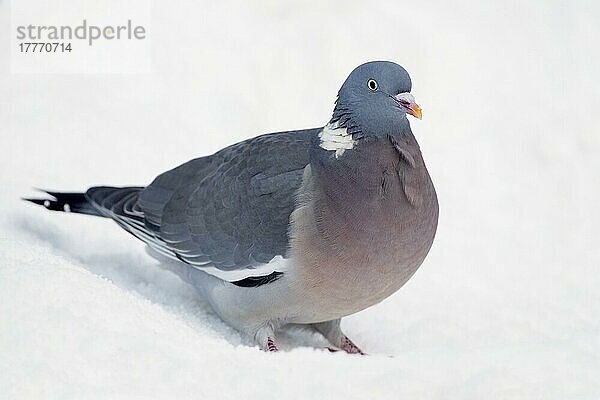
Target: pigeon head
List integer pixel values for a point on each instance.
(374, 100)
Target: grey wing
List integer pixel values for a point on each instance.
(230, 211)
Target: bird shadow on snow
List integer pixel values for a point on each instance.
(139, 273)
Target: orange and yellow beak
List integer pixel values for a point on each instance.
(407, 101)
(415, 111)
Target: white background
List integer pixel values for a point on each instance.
(506, 304)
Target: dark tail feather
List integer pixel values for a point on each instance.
(67, 202)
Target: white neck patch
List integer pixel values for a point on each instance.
(336, 139)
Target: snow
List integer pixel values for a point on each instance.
(506, 304)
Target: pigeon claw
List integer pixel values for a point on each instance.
(270, 347)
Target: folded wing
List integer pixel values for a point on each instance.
(227, 214)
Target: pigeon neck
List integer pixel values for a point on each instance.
(349, 117)
(343, 134)
(340, 161)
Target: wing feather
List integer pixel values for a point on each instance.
(226, 214)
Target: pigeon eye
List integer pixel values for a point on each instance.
(372, 84)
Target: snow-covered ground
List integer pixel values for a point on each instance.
(507, 304)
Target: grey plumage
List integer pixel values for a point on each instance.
(309, 225)
(231, 209)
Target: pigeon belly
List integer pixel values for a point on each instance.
(354, 255)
